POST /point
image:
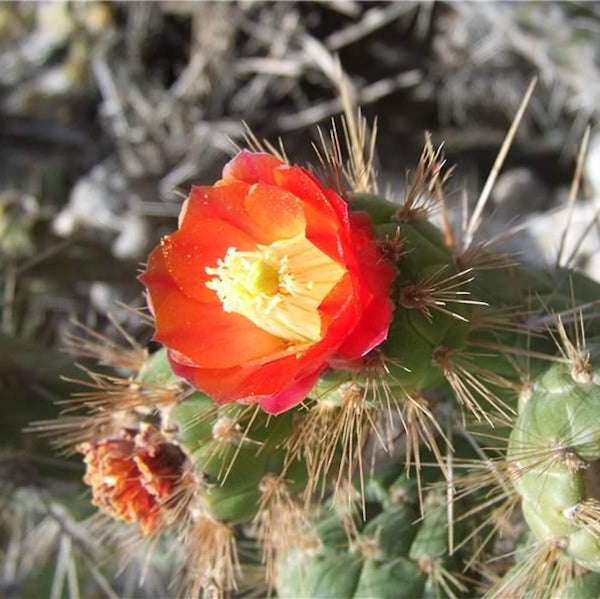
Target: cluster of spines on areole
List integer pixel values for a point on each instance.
(106, 403)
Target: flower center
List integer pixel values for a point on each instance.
(279, 287)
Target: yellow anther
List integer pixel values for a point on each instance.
(279, 287)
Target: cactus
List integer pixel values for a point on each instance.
(305, 488)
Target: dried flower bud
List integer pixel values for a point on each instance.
(133, 476)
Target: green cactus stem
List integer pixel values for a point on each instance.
(390, 555)
(555, 449)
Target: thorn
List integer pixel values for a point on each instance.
(573, 194)
(475, 219)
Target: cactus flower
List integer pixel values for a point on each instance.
(134, 475)
(268, 281)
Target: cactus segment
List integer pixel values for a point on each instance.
(432, 307)
(391, 555)
(232, 448)
(555, 449)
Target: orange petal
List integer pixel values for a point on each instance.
(371, 331)
(273, 213)
(252, 167)
(246, 382)
(189, 251)
(372, 267)
(303, 185)
(210, 337)
(332, 307)
(222, 384)
(256, 382)
(225, 202)
(264, 212)
(157, 280)
(290, 396)
(323, 227)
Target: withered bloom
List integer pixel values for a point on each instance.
(133, 475)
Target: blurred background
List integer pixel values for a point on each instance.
(109, 111)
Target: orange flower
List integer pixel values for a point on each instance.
(268, 281)
(132, 476)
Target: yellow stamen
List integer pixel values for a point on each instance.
(279, 287)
